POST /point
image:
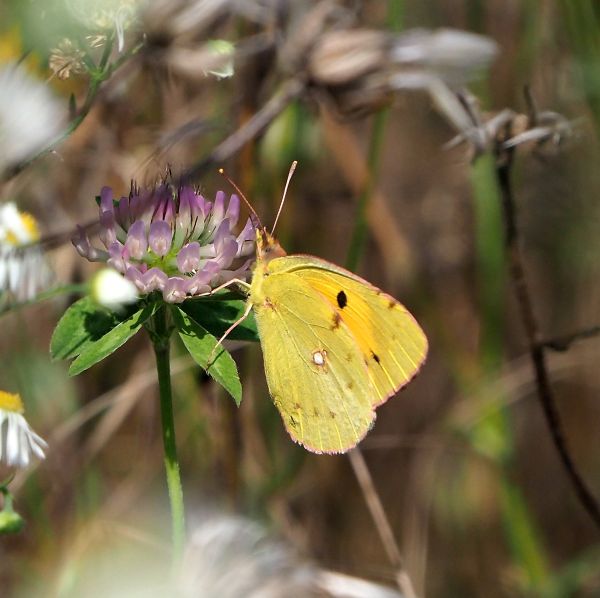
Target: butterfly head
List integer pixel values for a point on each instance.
(267, 247)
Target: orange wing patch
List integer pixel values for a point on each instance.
(392, 343)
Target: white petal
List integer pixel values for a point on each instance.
(30, 115)
(12, 440)
(18, 441)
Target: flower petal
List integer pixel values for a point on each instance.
(117, 257)
(218, 211)
(136, 277)
(200, 282)
(107, 217)
(175, 289)
(154, 279)
(160, 237)
(82, 244)
(245, 240)
(225, 244)
(137, 242)
(233, 210)
(188, 258)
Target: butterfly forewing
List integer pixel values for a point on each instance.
(315, 370)
(391, 343)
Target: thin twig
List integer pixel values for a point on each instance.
(290, 90)
(564, 342)
(97, 79)
(363, 476)
(504, 161)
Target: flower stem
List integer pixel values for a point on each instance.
(160, 337)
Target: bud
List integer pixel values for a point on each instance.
(112, 290)
(10, 522)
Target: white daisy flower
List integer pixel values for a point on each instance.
(17, 440)
(24, 271)
(30, 115)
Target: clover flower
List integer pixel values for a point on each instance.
(17, 440)
(23, 270)
(171, 240)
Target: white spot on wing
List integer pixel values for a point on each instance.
(318, 357)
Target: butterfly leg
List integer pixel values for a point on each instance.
(239, 281)
(226, 333)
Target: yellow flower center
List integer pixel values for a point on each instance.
(11, 402)
(30, 224)
(30, 227)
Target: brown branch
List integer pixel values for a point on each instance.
(545, 393)
(290, 90)
(564, 342)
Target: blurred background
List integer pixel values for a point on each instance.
(396, 177)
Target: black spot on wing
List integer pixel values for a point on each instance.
(375, 357)
(342, 300)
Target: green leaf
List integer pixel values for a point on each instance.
(200, 343)
(218, 312)
(97, 350)
(82, 324)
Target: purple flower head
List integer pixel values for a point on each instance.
(172, 240)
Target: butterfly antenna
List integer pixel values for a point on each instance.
(287, 184)
(253, 215)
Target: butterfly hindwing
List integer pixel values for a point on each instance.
(392, 344)
(315, 370)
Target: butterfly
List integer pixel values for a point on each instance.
(335, 347)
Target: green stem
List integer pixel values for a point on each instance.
(44, 296)
(359, 234)
(160, 337)
(8, 500)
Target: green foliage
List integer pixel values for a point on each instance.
(201, 345)
(111, 341)
(217, 312)
(84, 323)
(90, 333)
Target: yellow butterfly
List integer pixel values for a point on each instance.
(335, 347)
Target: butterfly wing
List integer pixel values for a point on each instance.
(315, 370)
(391, 342)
